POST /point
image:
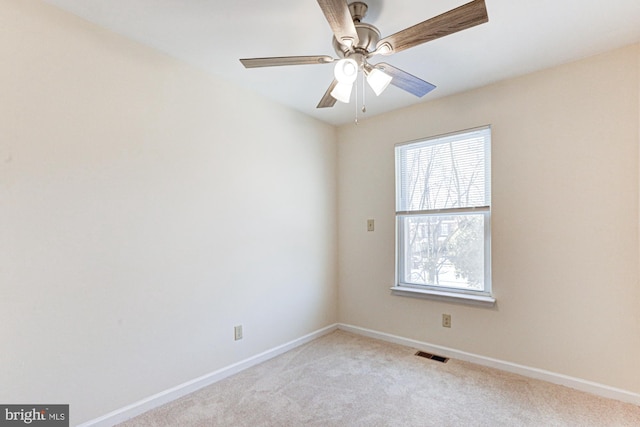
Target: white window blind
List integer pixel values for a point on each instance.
(451, 171)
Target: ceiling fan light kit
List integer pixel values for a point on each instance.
(378, 80)
(342, 92)
(355, 42)
(346, 70)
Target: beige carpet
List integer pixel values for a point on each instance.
(343, 379)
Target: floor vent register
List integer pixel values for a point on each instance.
(432, 357)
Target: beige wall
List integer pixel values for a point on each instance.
(564, 227)
(145, 209)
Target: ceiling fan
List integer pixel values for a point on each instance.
(355, 42)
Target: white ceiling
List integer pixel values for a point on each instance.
(520, 37)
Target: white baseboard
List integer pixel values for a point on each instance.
(159, 399)
(540, 374)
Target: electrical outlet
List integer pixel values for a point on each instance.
(446, 320)
(237, 332)
(370, 225)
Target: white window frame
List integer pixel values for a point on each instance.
(439, 292)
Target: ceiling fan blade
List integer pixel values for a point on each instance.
(406, 81)
(458, 19)
(340, 21)
(328, 100)
(276, 61)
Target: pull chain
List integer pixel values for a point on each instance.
(364, 91)
(356, 100)
(364, 106)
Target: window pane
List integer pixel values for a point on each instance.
(445, 251)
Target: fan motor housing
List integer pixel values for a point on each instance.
(368, 36)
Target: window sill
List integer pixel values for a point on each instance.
(478, 300)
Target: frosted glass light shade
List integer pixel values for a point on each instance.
(346, 70)
(342, 92)
(378, 80)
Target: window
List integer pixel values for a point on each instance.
(443, 215)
